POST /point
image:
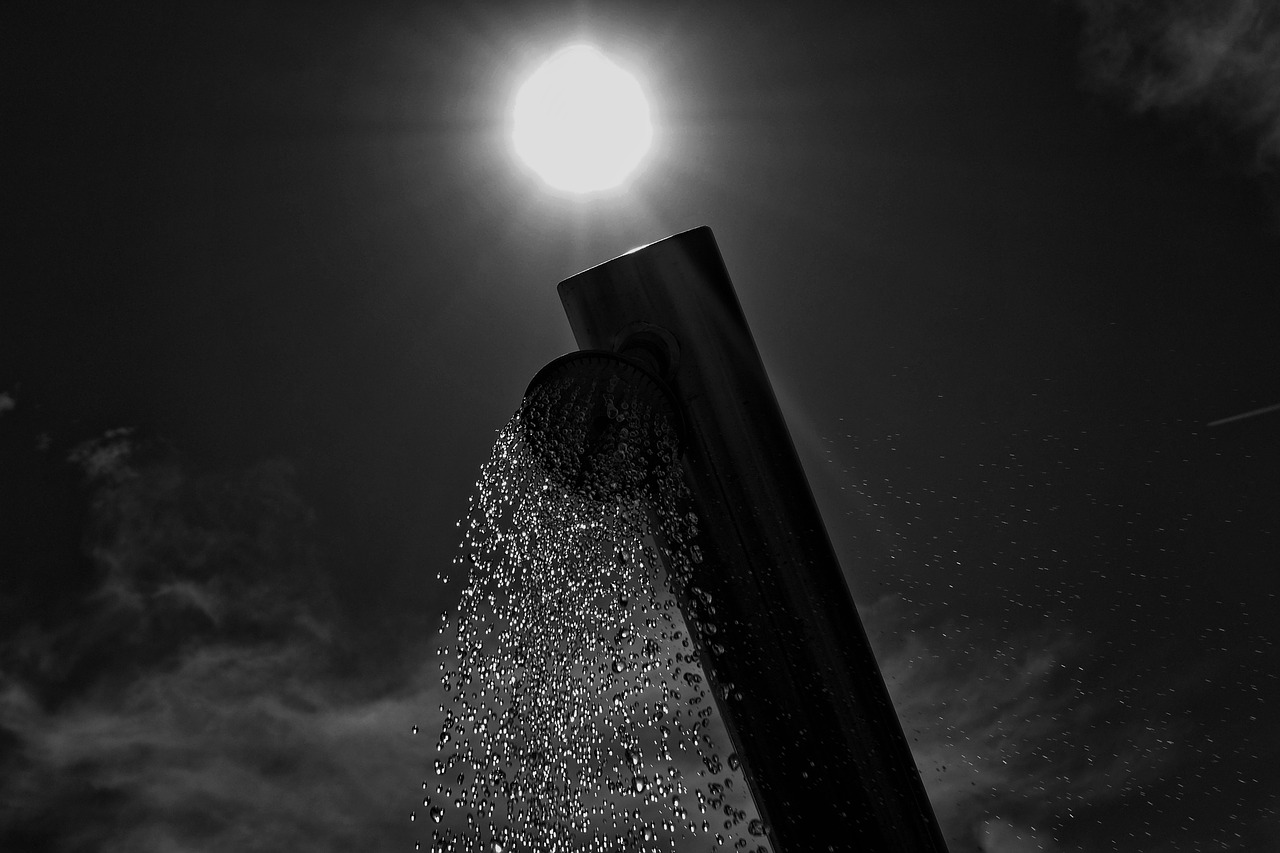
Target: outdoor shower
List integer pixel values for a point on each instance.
(792, 671)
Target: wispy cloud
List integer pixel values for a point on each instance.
(233, 748)
(193, 701)
(1219, 59)
(1009, 742)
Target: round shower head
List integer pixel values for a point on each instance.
(600, 424)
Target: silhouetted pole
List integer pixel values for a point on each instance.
(790, 664)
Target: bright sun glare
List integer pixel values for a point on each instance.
(581, 122)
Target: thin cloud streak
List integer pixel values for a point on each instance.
(1264, 410)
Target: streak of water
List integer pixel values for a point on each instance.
(577, 713)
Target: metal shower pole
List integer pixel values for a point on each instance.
(791, 667)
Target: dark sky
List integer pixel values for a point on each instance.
(272, 279)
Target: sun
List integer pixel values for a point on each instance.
(581, 122)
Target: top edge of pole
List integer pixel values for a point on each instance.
(701, 234)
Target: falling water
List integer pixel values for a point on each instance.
(577, 715)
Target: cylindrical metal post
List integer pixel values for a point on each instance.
(790, 663)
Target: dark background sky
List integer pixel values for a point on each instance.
(272, 279)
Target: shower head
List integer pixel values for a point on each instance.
(600, 424)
